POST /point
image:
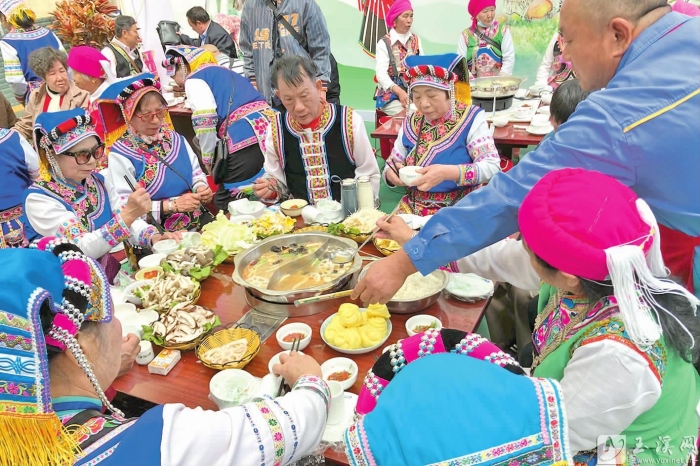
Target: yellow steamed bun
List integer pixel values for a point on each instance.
(378, 310)
(348, 338)
(350, 315)
(372, 335)
(378, 323)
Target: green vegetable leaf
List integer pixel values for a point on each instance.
(149, 336)
(167, 268)
(335, 229)
(208, 326)
(219, 254)
(200, 274)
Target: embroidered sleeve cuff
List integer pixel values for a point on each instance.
(315, 384)
(468, 175)
(207, 159)
(115, 231)
(72, 230)
(204, 121)
(146, 235)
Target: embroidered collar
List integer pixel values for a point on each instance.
(23, 30)
(491, 30)
(450, 116)
(318, 124)
(67, 405)
(147, 140)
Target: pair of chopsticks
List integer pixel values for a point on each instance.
(295, 347)
(393, 168)
(376, 230)
(152, 220)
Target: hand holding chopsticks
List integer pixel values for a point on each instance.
(151, 220)
(295, 347)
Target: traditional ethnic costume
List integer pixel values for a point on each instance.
(554, 70)
(511, 419)
(488, 48)
(593, 227)
(54, 290)
(304, 161)
(16, 46)
(392, 49)
(461, 137)
(81, 213)
(209, 89)
(623, 143)
(93, 64)
(164, 164)
(19, 165)
(125, 62)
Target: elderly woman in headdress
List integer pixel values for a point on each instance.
(615, 338)
(57, 91)
(144, 148)
(392, 92)
(70, 201)
(487, 44)
(19, 165)
(22, 37)
(221, 97)
(447, 139)
(92, 73)
(65, 343)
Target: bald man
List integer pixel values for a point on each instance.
(641, 126)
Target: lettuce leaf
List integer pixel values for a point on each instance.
(200, 274)
(148, 335)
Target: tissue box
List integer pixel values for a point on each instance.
(164, 362)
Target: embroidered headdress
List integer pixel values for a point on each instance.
(447, 72)
(590, 225)
(46, 298)
(13, 9)
(190, 59)
(432, 379)
(119, 101)
(59, 131)
(397, 9)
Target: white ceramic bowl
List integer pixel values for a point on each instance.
(293, 207)
(139, 319)
(544, 110)
(191, 239)
(546, 98)
(500, 121)
(151, 261)
(166, 246)
(241, 219)
(276, 360)
(521, 93)
(227, 380)
(117, 295)
(145, 273)
(540, 120)
(330, 211)
(538, 89)
(422, 319)
(124, 310)
(254, 208)
(340, 364)
(129, 291)
(295, 327)
(408, 175)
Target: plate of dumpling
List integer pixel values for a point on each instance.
(355, 330)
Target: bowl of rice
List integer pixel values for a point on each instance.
(417, 293)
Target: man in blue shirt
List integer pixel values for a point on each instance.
(642, 128)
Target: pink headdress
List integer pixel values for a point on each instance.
(592, 226)
(477, 6)
(90, 62)
(681, 6)
(397, 9)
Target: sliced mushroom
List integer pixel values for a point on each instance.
(159, 329)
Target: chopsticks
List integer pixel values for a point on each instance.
(376, 230)
(325, 297)
(393, 168)
(152, 220)
(295, 347)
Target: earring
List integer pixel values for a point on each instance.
(55, 167)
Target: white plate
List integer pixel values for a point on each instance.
(325, 323)
(416, 222)
(341, 364)
(539, 131)
(334, 432)
(469, 287)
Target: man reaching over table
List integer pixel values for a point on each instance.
(641, 128)
(311, 143)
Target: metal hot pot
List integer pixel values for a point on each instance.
(502, 88)
(281, 303)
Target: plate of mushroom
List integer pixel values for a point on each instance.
(196, 262)
(182, 327)
(168, 290)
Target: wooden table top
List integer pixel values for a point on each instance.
(188, 382)
(180, 110)
(506, 136)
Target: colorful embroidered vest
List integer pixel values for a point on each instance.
(483, 59)
(561, 70)
(25, 42)
(325, 153)
(398, 52)
(89, 202)
(582, 325)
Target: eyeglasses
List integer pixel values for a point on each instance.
(83, 157)
(146, 117)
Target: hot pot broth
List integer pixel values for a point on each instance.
(322, 271)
